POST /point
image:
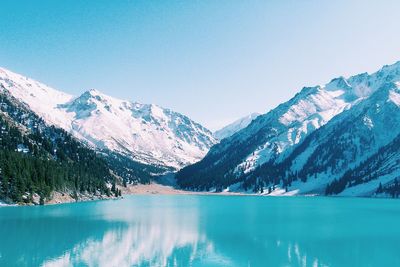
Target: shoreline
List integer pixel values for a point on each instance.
(139, 189)
(160, 189)
(60, 198)
(65, 197)
(153, 188)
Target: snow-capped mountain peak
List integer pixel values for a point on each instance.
(235, 126)
(144, 132)
(305, 135)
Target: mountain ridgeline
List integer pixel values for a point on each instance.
(235, 126)
(38, 159)
(93, 140)
(341, 139)
(144, 133)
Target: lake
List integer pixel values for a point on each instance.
(191, 230)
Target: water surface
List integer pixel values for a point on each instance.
(204, 231)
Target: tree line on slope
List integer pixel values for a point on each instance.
(36, 158)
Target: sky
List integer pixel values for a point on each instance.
(214, 61)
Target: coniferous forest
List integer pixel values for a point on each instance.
(36, 158)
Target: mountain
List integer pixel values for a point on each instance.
(308, 143)
(145, 134)
(344, 143)
(379, 175)
(37, 159)
(235, 126)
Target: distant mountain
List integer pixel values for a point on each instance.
(145, 134)
(308, 144)
(235, 126)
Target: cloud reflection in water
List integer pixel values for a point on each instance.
(151, 237)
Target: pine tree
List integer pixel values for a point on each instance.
(380, 189)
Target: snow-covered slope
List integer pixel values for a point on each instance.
(146, 133)
(345, 142)
(235, 126)
(278, 145)
(380, 170)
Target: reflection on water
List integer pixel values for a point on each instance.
(203, 231)
(153, 237)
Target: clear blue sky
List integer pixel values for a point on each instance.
(214, 61)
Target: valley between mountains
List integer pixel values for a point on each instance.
(341, 138)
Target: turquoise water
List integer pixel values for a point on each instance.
(204, 231)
